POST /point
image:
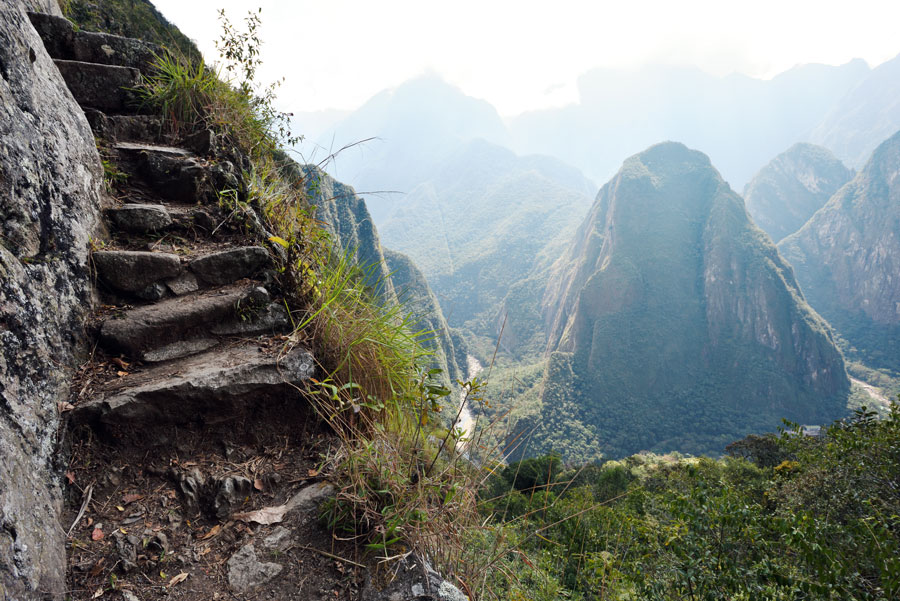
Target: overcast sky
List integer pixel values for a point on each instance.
(521, 55)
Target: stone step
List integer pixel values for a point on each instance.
(140, 218)
(62, 41)
(177, 174)
(224, 380)
(126, 128)
(107, 88)
(187, 325)
(147, 275)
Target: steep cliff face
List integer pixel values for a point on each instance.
(418, 300)
(50, 177)
(847, 258)
(794, 185)
(682, 324)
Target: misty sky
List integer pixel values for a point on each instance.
(521, 55)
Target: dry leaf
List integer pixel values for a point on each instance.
(120, 362)
(179, 578)
(258, 484)
(63, 406)
(97, 534)
(70, 476)
(313, 473)
(120, 508)
(98, 594)
(121, 374)
(212, 532)
(264, 516)
(90, 521)
(205, 551)
(97, 567)
(131, 498)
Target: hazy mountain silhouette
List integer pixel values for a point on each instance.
(739, 121)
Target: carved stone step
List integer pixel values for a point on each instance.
(147, 274)
(230, 265)
(126, 128)
(140, 218)
(104, 87)
(136, 271)
(183, 326)
(222, 380)
(63, 42)
(177, 174)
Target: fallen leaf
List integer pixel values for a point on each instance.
(98, 594)
(313, 473)
(97, 534)
(264, 516)
(179, 578)
(212, 532)
(90, 521)
(121, 374)
(205, 551)
(131, 498)
(120, 508)
(123, 531)
(258, 484)
(63, 406)
(97, 567)
(70, 476)
(120, 362)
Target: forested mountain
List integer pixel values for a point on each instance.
(739, 121)
(483, 222)
(864, 118)
(675, 324)
(792, 186)
(847, 258)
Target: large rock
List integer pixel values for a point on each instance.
(415, 580)
(50, 180)
(246, 572)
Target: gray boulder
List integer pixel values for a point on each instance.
(246, 572)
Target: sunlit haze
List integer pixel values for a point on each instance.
(522, 55)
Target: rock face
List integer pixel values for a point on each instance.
(847, 258)
(50, 178)
(794, 185)
(674, 322)
(419, 300)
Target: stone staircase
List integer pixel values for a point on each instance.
(193, 456)
(188, 299)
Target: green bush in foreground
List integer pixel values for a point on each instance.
(822, 523)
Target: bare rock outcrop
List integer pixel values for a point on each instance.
(50, 178)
